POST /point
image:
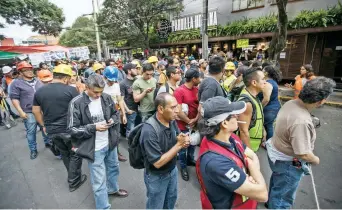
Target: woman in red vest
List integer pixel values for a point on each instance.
(227, 170)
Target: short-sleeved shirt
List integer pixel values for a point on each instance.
(187, 96)
(221, 176)
(147, 103)
(153, 147)
(210, 88)
(127, 93)
(113, 91)
(53, 100)
(294, 132)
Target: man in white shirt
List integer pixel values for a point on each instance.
(93, 122)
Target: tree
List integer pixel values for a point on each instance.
(279, 38)
(44, 16)
(134, 19)
(81, 33)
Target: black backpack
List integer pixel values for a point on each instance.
(136, 157)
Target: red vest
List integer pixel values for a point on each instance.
(206, 146)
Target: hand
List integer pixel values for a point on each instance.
(23, 115)
(130, 111)
(251, 179)
(192, 122)
(101, 127)
(124, 119)
(44, 130)
(110, 122)
(183, 140)
(148, 90)
(316, 161)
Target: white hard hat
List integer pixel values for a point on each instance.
(6, 69)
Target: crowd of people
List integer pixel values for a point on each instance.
(168, 107)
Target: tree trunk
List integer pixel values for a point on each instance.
(279, 38)
(147, 38)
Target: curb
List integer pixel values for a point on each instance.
(329, 103)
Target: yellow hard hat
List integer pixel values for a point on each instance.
(230, 66)
(153, 59)
(63, 69)
(136, 62)
(97, 66)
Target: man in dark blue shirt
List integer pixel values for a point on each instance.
(161, 140)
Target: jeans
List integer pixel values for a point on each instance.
(31, 131)
(161, 190)
(186, 154)
(269, 117)
(104, 173)
(283, 184)
(130, 122)
(72, 162)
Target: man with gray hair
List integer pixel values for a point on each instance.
(290, 150)
(94, 125)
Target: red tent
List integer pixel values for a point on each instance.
(33, 49)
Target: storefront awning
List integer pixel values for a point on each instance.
(32, 49)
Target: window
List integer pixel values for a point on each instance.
(275, 1)
(247, 4)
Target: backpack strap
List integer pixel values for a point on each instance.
(153, 122)
(167, 87)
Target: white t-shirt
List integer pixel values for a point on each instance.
(113, 91)
(101, 138)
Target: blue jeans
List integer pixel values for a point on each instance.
(284, 182)
(104, 172)
(270, 116)
(31, 131)
(130, 122)
(186, 154)
(161, 190)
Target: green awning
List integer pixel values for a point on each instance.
(8, 55)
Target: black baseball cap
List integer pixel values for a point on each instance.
(129, 66)
(217, 109)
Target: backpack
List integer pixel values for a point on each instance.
(167, 87)
(136, 157)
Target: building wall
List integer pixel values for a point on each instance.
(224, 8)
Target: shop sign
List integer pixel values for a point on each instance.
(192, 22)
(241, 43)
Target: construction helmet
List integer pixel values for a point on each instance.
(111, 73)
(24, 64)
(45, 75)
(153, 59)
(136, 62)
(230, 66)
(97, 66)
(63, 69)
(6, 69)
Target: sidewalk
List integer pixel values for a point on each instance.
(286, 94)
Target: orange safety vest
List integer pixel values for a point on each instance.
(298, 86)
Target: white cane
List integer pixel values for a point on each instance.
(314, 187)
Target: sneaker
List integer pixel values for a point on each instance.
(34, 154)
(2, 124)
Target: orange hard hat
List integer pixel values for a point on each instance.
(45, 75)
(23, 64)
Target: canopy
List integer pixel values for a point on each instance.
(8, 55)
(33, 49)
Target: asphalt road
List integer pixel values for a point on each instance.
(41, 183)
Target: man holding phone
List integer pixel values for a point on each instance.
(93, 124)
(143, 92)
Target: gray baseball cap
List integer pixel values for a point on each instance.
(217, 109)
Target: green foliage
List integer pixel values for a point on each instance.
(43, 16)
(82, 33)
(305, 19)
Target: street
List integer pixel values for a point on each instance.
(41, 183)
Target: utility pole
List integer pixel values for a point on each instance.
(97, 33)
(205, 30)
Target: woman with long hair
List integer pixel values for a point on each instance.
(269, 98)
(306, 74)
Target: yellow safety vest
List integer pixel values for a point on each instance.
(256, 127)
